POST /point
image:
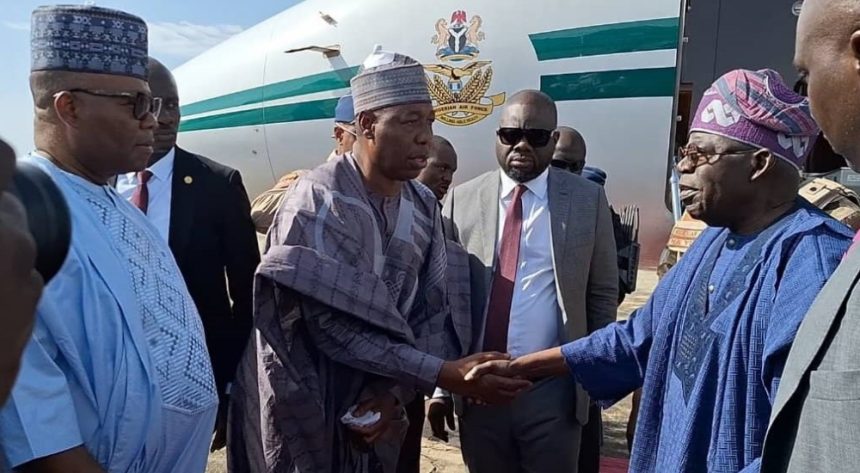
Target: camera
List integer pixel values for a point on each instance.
(47, 216)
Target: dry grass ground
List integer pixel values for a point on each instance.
(439, 457)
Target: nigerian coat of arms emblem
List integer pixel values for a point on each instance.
(459, 83)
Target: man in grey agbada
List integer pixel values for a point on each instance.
(816, 417)
(352, 299)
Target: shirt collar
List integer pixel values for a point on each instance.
(537, 186)
(163, 169)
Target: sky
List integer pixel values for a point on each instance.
(178, 31)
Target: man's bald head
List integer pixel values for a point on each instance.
(534, 99)
(441, 144)
(570, 148)
(526, 136)
(828, 53)
(159, 73)
(163, 85)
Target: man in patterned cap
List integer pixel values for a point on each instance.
(353, 307)
(710, 345)
(116, 376)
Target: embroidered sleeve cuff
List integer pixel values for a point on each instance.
(578, 362)
(572, 356)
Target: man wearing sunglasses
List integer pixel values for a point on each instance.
(116, 376)
(344, 127)
(710, 345)
(543, 272)
(181, 194)
(569, 151)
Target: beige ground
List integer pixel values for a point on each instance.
(439, 457)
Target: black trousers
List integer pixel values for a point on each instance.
(410, 452)
(592, 439)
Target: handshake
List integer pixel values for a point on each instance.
(483, 378)
(488, 378)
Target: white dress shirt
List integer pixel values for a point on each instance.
(534, 320)
(160, 187)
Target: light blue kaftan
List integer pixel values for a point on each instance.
(118, 360)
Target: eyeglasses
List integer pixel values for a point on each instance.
(143, 102)
(347, 127)
(697, 156)
(535, 137)
(567, 166)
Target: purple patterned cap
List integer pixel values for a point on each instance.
(758, 109)
(85, 38)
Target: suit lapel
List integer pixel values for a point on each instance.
(559, 196)
(182, 201)
(489, 213)
(488, 218)
(815, 327)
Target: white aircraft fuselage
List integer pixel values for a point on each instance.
(263, 101)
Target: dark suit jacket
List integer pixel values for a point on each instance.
(214, 242)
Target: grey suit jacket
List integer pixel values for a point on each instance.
(583, 245)
(815, 423)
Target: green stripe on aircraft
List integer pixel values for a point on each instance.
(294, 112)
(635, 36)
(323, 82)
(561, 87)
(647, 35)
(659, 82)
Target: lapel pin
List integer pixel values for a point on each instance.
(188, 180)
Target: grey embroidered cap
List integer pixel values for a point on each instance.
(386, 79)
(83, 38)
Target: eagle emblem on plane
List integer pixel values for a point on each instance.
(460, 82)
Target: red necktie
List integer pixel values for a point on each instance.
(140, 198)
(502, 289)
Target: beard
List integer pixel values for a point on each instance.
(520, 175)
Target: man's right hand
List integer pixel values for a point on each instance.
(439, 411)
(20, 284)
(491, 388)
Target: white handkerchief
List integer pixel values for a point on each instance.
(368, 419)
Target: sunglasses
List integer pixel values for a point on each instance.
(562, 164)
(143, 102)
(535, 137)
(347, 127)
